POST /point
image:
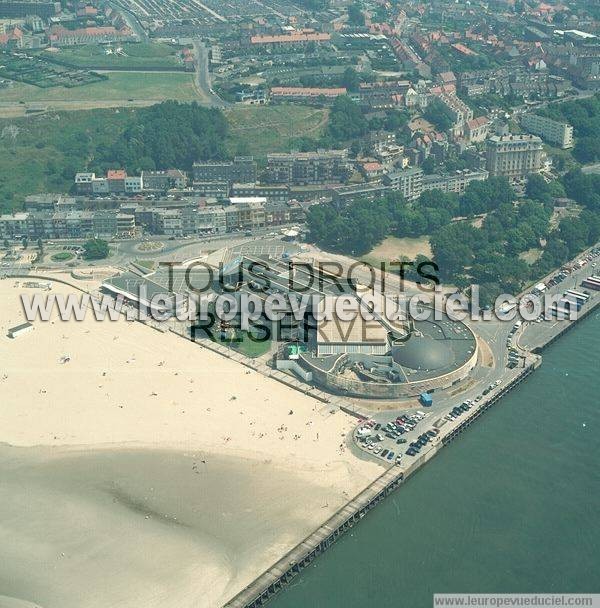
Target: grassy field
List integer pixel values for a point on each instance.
(393, 249)
(258, 130)
(137, 56)
(42, 153)
(118, 87)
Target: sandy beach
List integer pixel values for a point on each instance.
(148, 471)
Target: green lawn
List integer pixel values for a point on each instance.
(120, 86)
(258, 130)
(62, 256)
(249, 347)
(136, 55)
(149, 264)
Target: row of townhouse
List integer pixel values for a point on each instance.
(117, 181)
(306, 94)
(221, 179)
(242, 213)
(511, 80)
(385, 94)
(61, 36)
(66, 224)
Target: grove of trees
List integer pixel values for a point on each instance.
(487, 252)
(95, 249)
(167, 135)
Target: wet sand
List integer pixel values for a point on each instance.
(147, 471)
(141, 527)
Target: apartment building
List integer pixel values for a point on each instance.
(14, 225)
(409, 182)
(241, 169)
(272, 193)
(212, 219)
(164, 180)
(452, 182)
(345, 194)
(50, 202)
(306, 168)
(133, 184)
(553, 131)
(66, 224)
(514, 156)
(218, 190)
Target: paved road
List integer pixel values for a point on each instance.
(125, 251)
(538, 334)
(131, 20)
(203, 83)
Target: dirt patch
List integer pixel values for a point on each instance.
(486, 356)
(394, 248)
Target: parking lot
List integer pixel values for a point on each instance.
(392, 442)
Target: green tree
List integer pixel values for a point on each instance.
(355, 15)
(438, 114)
(587, 149)
(350, 79)
(346, 120)
(95, 249)
(538, 189)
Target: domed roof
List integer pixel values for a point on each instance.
(424, 353)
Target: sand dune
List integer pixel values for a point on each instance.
(163, 473)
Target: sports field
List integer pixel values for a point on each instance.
(120, 86)
(131, 56)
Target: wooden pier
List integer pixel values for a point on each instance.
(283, 571)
